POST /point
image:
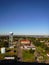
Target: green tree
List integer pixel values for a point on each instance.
(6, 44)
(31, 51)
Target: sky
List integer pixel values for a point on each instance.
(24, 17)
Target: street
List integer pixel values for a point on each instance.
(19, 52)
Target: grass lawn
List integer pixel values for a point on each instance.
(9, 53)
(27, 56)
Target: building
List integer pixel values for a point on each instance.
(42, 41)
(27, 44)
(47, 43)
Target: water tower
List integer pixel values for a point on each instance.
(10, 39)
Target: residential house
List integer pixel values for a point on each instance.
(27, 44)
(47, 43)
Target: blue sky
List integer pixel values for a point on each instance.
(24, 17)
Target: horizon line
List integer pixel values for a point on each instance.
(25, 34)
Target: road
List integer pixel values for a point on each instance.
(19, 52)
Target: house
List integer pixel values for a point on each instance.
(40, 59)
(8, 58)
(47, 43)
(13, 44)
(29, 47)
(48, 55)
(42, 41)
(27, 44)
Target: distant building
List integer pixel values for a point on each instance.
(47, 43)
(42, 41)
(48, 55)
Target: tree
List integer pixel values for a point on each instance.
(31, 51)
(6, 44)
(47, 48)
(37, 43)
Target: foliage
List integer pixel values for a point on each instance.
(1, 44)
(4, 44)
(41, 51)
(37, 43)
(47, 48)
(31, 51)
